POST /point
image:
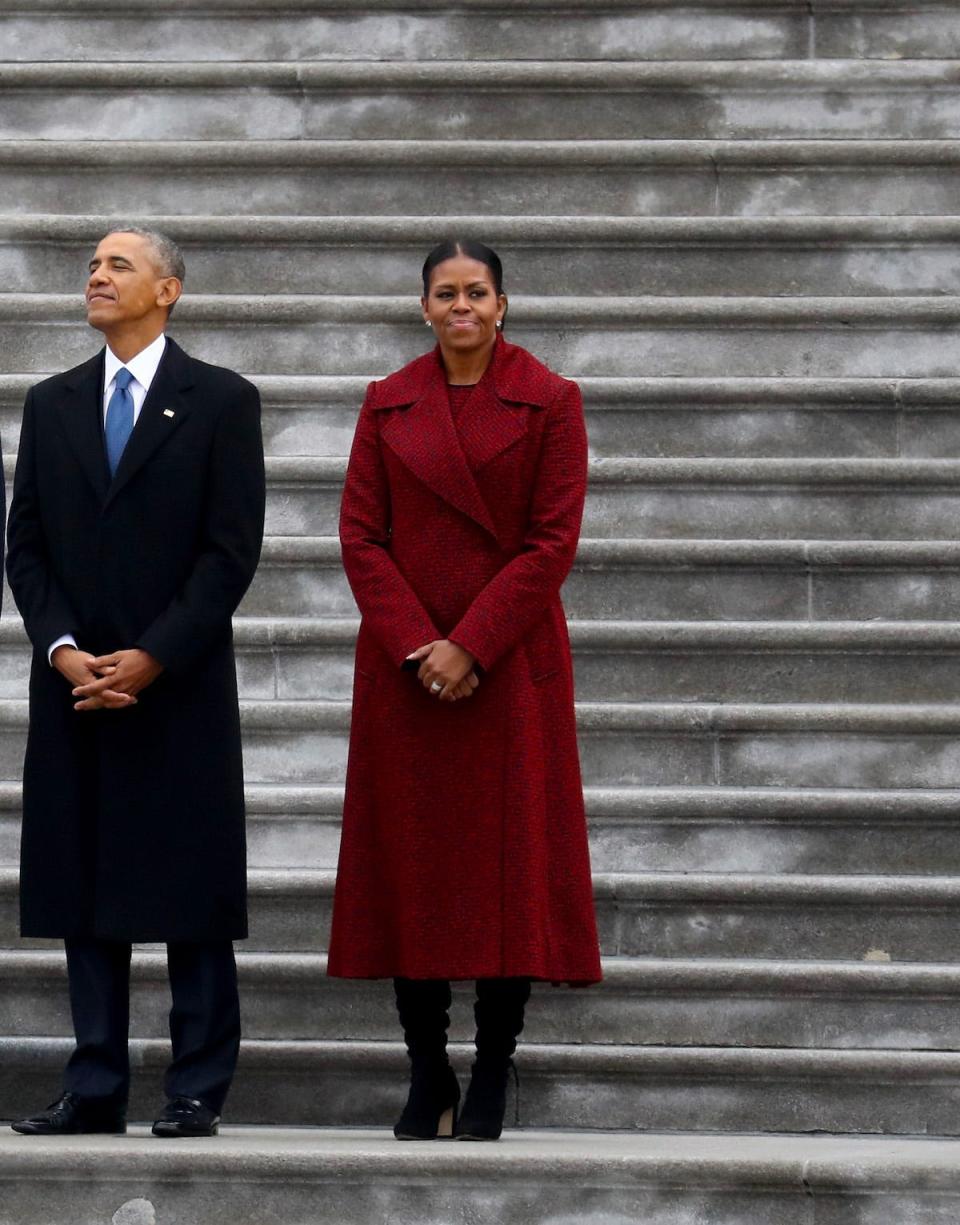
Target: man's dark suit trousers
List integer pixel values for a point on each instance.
(204, 1020)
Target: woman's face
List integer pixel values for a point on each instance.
(463, 305)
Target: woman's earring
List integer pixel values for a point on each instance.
(428, 323)
(499, 323)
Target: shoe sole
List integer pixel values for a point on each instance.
(427, 1139)
(74, 1131)
(185, 1135)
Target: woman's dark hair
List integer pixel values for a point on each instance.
(472, 250)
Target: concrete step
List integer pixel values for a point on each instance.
(886, 30)
(624, 660)
(641, 744)
(598, 255)
(727, 498)
(763, 498)
(303, 576)
(772, 580)
(822, 580)
(802, 831)
(671, 829)
(665, 579)
(764, 661)
(345, 1177)
(769, 579)
(654, 417)
(641, 1000)
(767, 661)
(621, 661)
(660, 829)
(426, 29)
(317, 415)
(418, 30)
(606, 177)
(697, 1089)
(892, 337)
(526, 100)
(709, 914)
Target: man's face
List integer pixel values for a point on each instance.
(125, 286)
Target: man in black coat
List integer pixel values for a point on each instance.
(135, 529)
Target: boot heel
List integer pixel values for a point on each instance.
(431, 1109)
(446, 1125)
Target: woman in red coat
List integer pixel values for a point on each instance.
(464, 850)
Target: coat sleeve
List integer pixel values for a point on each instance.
(519, 594)
(387, 602)
(38, 594)
(229, 547)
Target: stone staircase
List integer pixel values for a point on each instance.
(735, 222)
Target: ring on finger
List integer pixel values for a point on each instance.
(436, 687)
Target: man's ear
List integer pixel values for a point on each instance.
(169, 292)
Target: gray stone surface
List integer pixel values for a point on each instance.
(843, 500)
(600, 255)
(637, 417)
(639, 744)
(423, 32)
(693, 914)
(702, 829)
(649, 1001)
(529, 100)
(301, 658)
(304, 658)
(324, 1177)
(633, 177)
(745, 336)
(352, 1083)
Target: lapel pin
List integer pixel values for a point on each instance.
(168, 412)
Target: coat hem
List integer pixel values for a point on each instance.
(56, 932)
(555, 980)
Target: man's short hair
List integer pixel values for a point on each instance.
(168, 254)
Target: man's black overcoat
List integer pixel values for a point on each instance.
(133, 821)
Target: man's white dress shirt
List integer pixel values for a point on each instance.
(144, 368)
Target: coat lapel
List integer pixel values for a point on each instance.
(423, 437)
(488, 425)
(446, 457)
(81, 418)
(164, 410)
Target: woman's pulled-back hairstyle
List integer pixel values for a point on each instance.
(451, 248)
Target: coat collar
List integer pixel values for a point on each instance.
(81, 415)
(517, 377)
(423, 436)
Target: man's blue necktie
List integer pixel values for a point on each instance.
(119, 424)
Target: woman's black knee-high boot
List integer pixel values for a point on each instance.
(431, 1109)
(499, 1014)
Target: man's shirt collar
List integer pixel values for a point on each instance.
(143, 366)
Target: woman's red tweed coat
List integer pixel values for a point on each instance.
(464, 850)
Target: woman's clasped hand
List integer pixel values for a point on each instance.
(446, 670)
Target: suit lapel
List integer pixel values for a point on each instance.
(424, 439)
(81, 418)
(164, 410)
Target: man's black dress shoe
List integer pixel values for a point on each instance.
(73, 1115)
(185, 1116)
